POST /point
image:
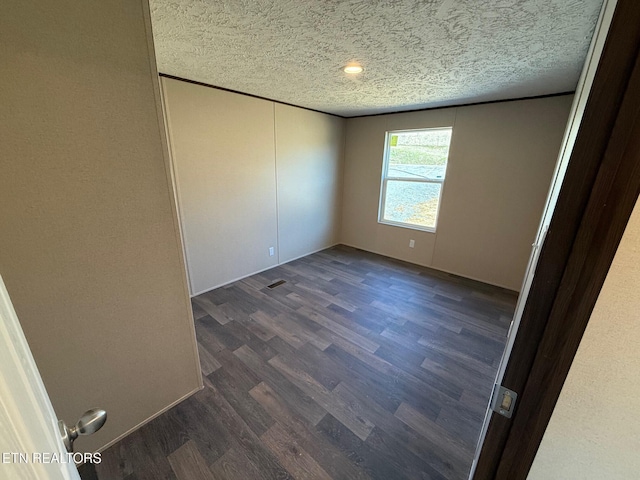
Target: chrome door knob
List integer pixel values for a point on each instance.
(90, 422)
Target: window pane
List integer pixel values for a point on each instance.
(412, 202)
(421, 154)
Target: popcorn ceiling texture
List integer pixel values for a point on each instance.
(416, 54)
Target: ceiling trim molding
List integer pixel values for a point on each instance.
(202, 84)
(533, 97)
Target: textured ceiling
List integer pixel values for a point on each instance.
(416, 54)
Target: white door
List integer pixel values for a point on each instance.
(575, 118)
(30, 444)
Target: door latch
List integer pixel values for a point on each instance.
(503, 400)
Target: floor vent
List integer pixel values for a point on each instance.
(276, 284)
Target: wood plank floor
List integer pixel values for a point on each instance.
(356, 367)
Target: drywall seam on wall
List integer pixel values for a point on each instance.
(305, 181)
(343, 161)
(275, 168)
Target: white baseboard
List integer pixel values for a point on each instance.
(432, 267)
(264, 270)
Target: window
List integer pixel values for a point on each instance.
(415, 164)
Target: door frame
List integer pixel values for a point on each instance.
(599, 191)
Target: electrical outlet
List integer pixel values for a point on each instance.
(272, 251)
(412, 243)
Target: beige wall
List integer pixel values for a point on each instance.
(89, 247)
(500, 165)
(309, 164)
(224, 158)
(251, 174)
(594, 432)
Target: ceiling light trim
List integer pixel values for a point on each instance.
(353, 69)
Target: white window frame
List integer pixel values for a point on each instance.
(386, 178)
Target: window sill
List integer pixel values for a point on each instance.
(407, 225)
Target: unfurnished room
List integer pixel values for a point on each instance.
(318, 240)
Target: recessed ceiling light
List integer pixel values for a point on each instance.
(353, 69)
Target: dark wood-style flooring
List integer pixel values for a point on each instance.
(357, 367)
